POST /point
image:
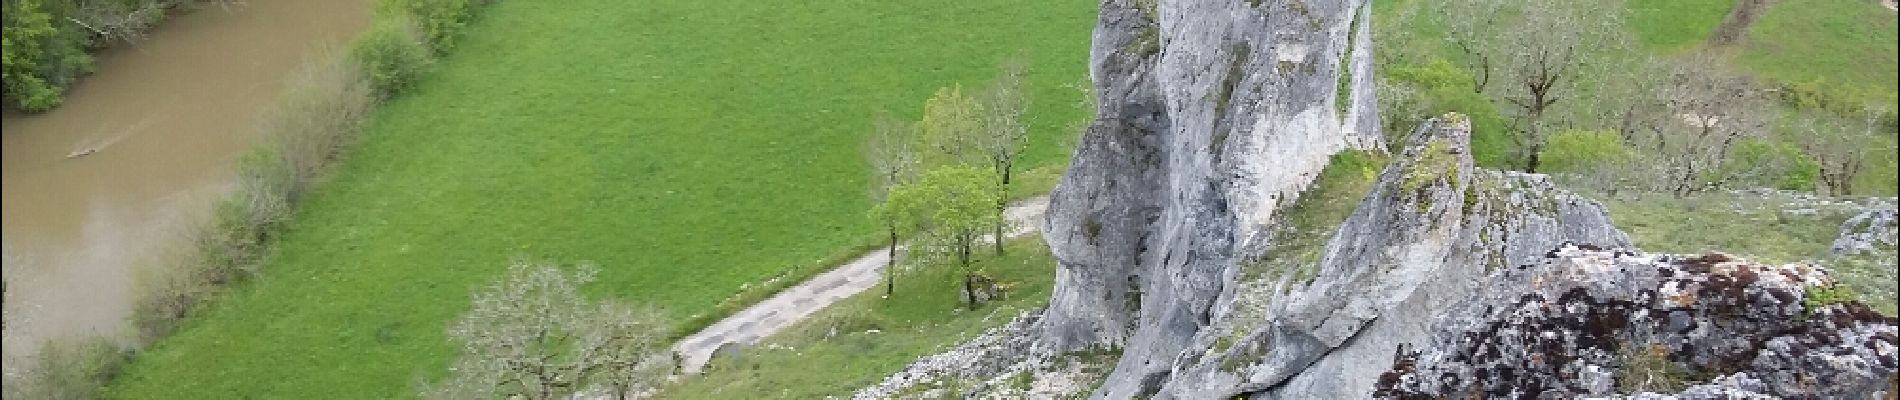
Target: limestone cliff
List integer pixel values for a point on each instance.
(1213, 115)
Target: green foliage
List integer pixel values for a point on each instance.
(1440, 88)
(1576, 151)
(951, 206)
(1823, 296)
(438, 21)
(40, 58)
(588, 130)
(393, 54)
(952, 120)
(924, 319)
(1762, 163)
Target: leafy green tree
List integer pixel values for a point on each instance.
(951, 208)
(28, 29)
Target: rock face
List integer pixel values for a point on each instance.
(1592, 322)
(1213, 115)
(1427, 232)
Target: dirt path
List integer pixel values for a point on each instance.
(794, 304)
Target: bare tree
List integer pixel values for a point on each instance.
(1537, 54)
(1838, 144)
(1472, 26)
(1004, 135)
(893, 157)
(531, 335)
(1705, 111)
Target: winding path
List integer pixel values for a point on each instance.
(795, 303)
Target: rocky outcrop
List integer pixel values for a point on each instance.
(1183, 236)
(1213, 115)
(1875, 229)
(1595, 322)
(1429, 229)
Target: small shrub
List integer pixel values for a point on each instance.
(393, 54)
(1647, 368)
(1823, 296)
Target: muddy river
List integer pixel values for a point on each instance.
(108, 185)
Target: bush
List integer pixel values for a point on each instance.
(439, 21)
(316, 116)
(68, 370)
(393, 54)
(1762, 163)
(1582, 151)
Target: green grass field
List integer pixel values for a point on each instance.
(686, 147)
(1851, 45)
(925, 317)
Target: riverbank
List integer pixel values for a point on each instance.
(303, 132)
(108, 187)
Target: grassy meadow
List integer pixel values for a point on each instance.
(688, 148)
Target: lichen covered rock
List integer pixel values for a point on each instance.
(1595, 322)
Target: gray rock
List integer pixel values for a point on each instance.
(1213, 115)
(1873, 229)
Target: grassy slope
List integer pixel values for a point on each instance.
(1853, 43)
(686, 147)
(924, 317)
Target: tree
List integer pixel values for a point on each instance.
(950, 126)
(951, 209)
(1706, 110)
(1839, 145)
(1537, 52)
(531, 335)
(1004, 135)
(893, 158)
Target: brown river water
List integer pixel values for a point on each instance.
(109, 184)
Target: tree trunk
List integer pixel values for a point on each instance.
(1533, 160)
(890, 267)
(969, 287)
(1001, 219)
